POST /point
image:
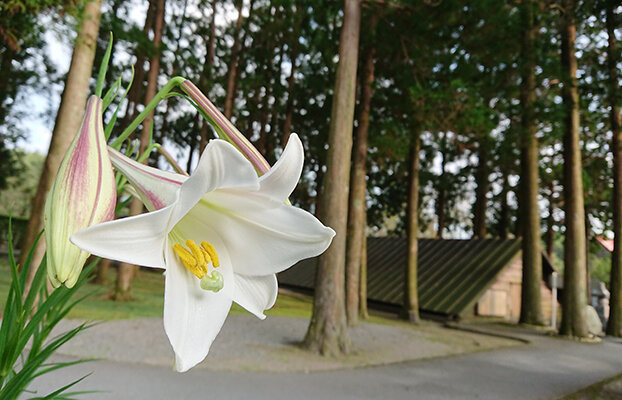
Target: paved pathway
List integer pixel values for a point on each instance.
(545, 369)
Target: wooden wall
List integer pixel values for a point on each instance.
(502, 299)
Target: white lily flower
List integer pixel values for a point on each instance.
(246, 230)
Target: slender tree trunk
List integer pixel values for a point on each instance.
(136, 91)
(504, 213)
(614, 325)
(550, 222)
(363, 314)
(531, 304)
(6, 66)
(327, 332)
(289, 108)
(357, 220)
(207, 74)
(482, 174)
(66, 126)
(411, 293)
(122, 291)
(440, 198)
(233, 64)
(102, 271)
(574, 301)
(291, 81)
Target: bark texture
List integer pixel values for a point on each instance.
(357, 211)
(411, 293)
(531, 304)
(614, 325)
(327, 332)
(574, 300)
(66, 126)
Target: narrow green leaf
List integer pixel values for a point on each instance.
(103, 68)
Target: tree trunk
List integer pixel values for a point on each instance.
(574, 301)
(504, 213)
(233, 64)
(207, 74)
(357, 220)
(363, 314)
(66, 126)
(136, 91)
(6, 66)
(440, 199)
(291, 81)
(411, 293)
(479, 209)
(531, 303)
(614, 325)
(550, 233)
(126, 272)
(327, 332)
(102, 272)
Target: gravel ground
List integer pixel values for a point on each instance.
(248, 344)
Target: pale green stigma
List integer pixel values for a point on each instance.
(213, 282)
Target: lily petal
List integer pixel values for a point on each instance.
(135, 240)
(156, 188)
(263, 237)
(221, 166)
(255, 293)
(192, 316)
(281, 180)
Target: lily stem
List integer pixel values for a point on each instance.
(161, 95)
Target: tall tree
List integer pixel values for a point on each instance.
(357, 216)
(531, 309)
(126, 272)
(327, 332)
(481, 177)
(574, 299)
(614, 325)
(411, 293)
(67, 123)
(207, 73)
(233, 63)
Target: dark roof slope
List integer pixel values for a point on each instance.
(453, 274)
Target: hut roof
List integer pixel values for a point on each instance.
(452, 274)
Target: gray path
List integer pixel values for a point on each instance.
(546, 369)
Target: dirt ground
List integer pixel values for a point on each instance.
(248, 344)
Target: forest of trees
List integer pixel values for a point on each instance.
(420, 118)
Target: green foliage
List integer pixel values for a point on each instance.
(30, 315)
(16, 197)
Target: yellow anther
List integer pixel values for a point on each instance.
(189, 261)
(200, 255)
(212, 253)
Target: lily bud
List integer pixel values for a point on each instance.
(83, 194)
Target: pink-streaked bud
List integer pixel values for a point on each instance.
(225, 129)
(83, 194)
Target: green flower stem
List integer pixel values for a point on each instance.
(161, 95)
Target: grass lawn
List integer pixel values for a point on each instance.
(148, 293)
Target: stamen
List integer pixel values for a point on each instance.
(212, 253)
(196, 261)
(201, 256)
